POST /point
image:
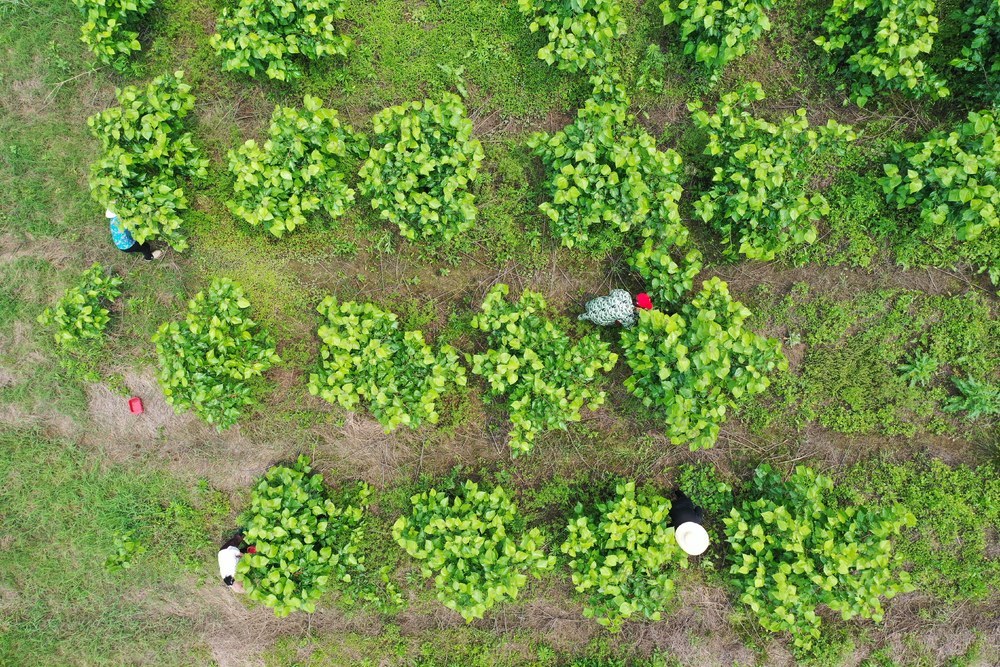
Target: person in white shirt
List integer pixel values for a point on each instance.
(229, 556)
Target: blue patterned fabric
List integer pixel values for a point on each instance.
(123, 240)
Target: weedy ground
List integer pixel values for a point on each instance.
(79, 472)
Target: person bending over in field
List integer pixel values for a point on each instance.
(123, 239)
(616, 308)
(229, 556)
(687, 519)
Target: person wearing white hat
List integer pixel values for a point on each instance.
(688, 531)
(692, 538)
(123, 239)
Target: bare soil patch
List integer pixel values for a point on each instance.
(182, 442)
(237, 632)
(697, 633)
(51, 250)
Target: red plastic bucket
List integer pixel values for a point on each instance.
(135, 405)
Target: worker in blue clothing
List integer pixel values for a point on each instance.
(123, 239)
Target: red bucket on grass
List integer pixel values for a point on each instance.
(135, 405)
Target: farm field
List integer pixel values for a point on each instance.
(374, 255)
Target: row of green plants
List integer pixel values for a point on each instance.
(880, 45)
(764, 203)
(789, 544)
(608, 184)
(418, 172)
(689, 367)
(889, 45)
(691, 364)
(254, 37)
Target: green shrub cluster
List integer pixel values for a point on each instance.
(667, 275)
(980, 55)
(110, 27)
(624, 556)
(366, 356)
(475, 545)
(545, 377)
(760, 200)
(305, 541)
(976, 398)
(209, 360)
(716, 33)
(79, 316)
(605, 177)
(580, 32)
(882, 45)
(701, 483)
(265, 36)
(956, 509)
(795, 547)
(422, 162)
(692, 366)
(146, 155)
(297, 173)
(950, 178)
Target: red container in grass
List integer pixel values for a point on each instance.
(135, 405)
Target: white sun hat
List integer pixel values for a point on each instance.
(108, 213)
(692, 538)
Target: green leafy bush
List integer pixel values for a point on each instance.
(948, 550)
(305, 540)
(976, 398)
(469, 542)
(605, 177)
(879, 43)
(717, 32)
(760, 200)
(580, 32)
(296, 173)
(795, 547)
(265, 36)
(146, 155)
(365, 355)
(109, 28)
(951, 179)
(919, 370)
(691, 366)
(546, 377)
(126, 550)
(980, 56)
(422, 162)
(701, 483)
(208, 361)
(624, 556)
(667, 275)
(80, 316)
